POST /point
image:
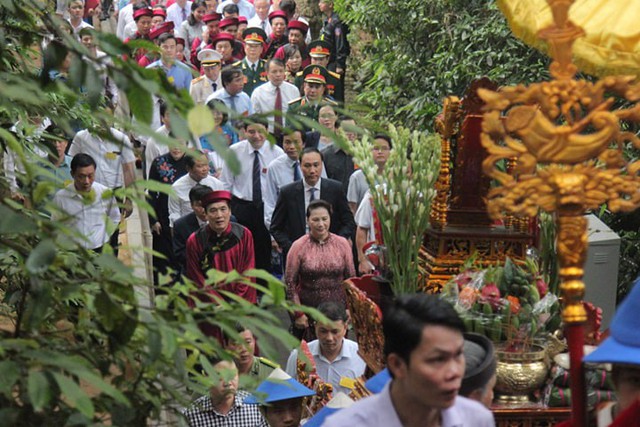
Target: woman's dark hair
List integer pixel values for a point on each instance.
(289, 51)
(215, 104)
(405, 318)
(82, 160)
(191, 19)
(319, 204)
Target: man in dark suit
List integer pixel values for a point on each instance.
(186, 225)
(289, 216)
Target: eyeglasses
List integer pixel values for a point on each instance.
(380, 148)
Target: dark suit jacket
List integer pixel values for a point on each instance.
(288, 222)
(182, 229)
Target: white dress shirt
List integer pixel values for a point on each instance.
(130, 30)
(279, 174)
(125, 16)
(263, 99)
(347, 365)
(174, 13)
(87, 218)
(12, 163)
(245, 8)
(241, 185)
(307, 193)
(179, 204)
(257, 22)
(109, 156)
(358, 186)
(364, 216)
(241, 102)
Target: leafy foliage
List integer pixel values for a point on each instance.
(80, 344)
(414, 53)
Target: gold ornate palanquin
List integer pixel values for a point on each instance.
(459, 224)
(567, 137)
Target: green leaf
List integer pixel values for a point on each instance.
(39, 390)
(74, 396)
(10, 373)
(140, 103)
(200, 120)
(12, 222)
(41, 257)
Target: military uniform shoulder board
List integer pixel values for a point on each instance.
(268, 362)
(329, 101)
(197, 79)
(236, 64)
(336, 75)
(299, 73)
(294, 101)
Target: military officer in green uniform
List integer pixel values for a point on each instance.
(320, 52)
(314, 84)
(252, 66)
(256, 368)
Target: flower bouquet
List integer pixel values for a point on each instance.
(509, 304)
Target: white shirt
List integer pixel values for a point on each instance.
(358, 187)
(364, 216)
(257, 22)
(179, 204)
(130, 30)
(76, 30)
(153, 149)
(307, 193)
(12, 163)
(347, 365)
(241, 102)
(174, 13)
(241, 185)
(279, 174)
(378, 411)
(110, 156)
(87, 218)
(125, 16)
(245, 8)
(263, 99)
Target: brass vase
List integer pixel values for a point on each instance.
(519, 374)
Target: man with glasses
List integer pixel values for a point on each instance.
(315, 80)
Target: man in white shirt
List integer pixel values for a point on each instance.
(114, 157)
(125, 16)
(249, 186)
(336, 358)
(178, 12)
(84, 205)
(232, 93)
(197, 173)
(265, 97)
(245, 8)
(424, 344)
(261, 18)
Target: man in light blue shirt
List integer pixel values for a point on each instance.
(232, 92)
(336, 358)
(178, 74)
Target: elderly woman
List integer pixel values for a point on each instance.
(317, 264)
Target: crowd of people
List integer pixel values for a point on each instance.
(296, 206)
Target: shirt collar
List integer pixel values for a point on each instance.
(207, 405)
(345, 353)
(261, 150)
(307, 186)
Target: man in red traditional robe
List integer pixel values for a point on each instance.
(220, 245)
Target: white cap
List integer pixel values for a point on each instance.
(209, 56)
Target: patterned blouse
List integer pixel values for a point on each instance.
(315, 270)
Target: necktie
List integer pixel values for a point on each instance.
(312, 197)
(277, 131)
(214, 85)
(253, 68)
(263, 25)
(232, 100)
(257, 189)
(184, 14)
(296, 171)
